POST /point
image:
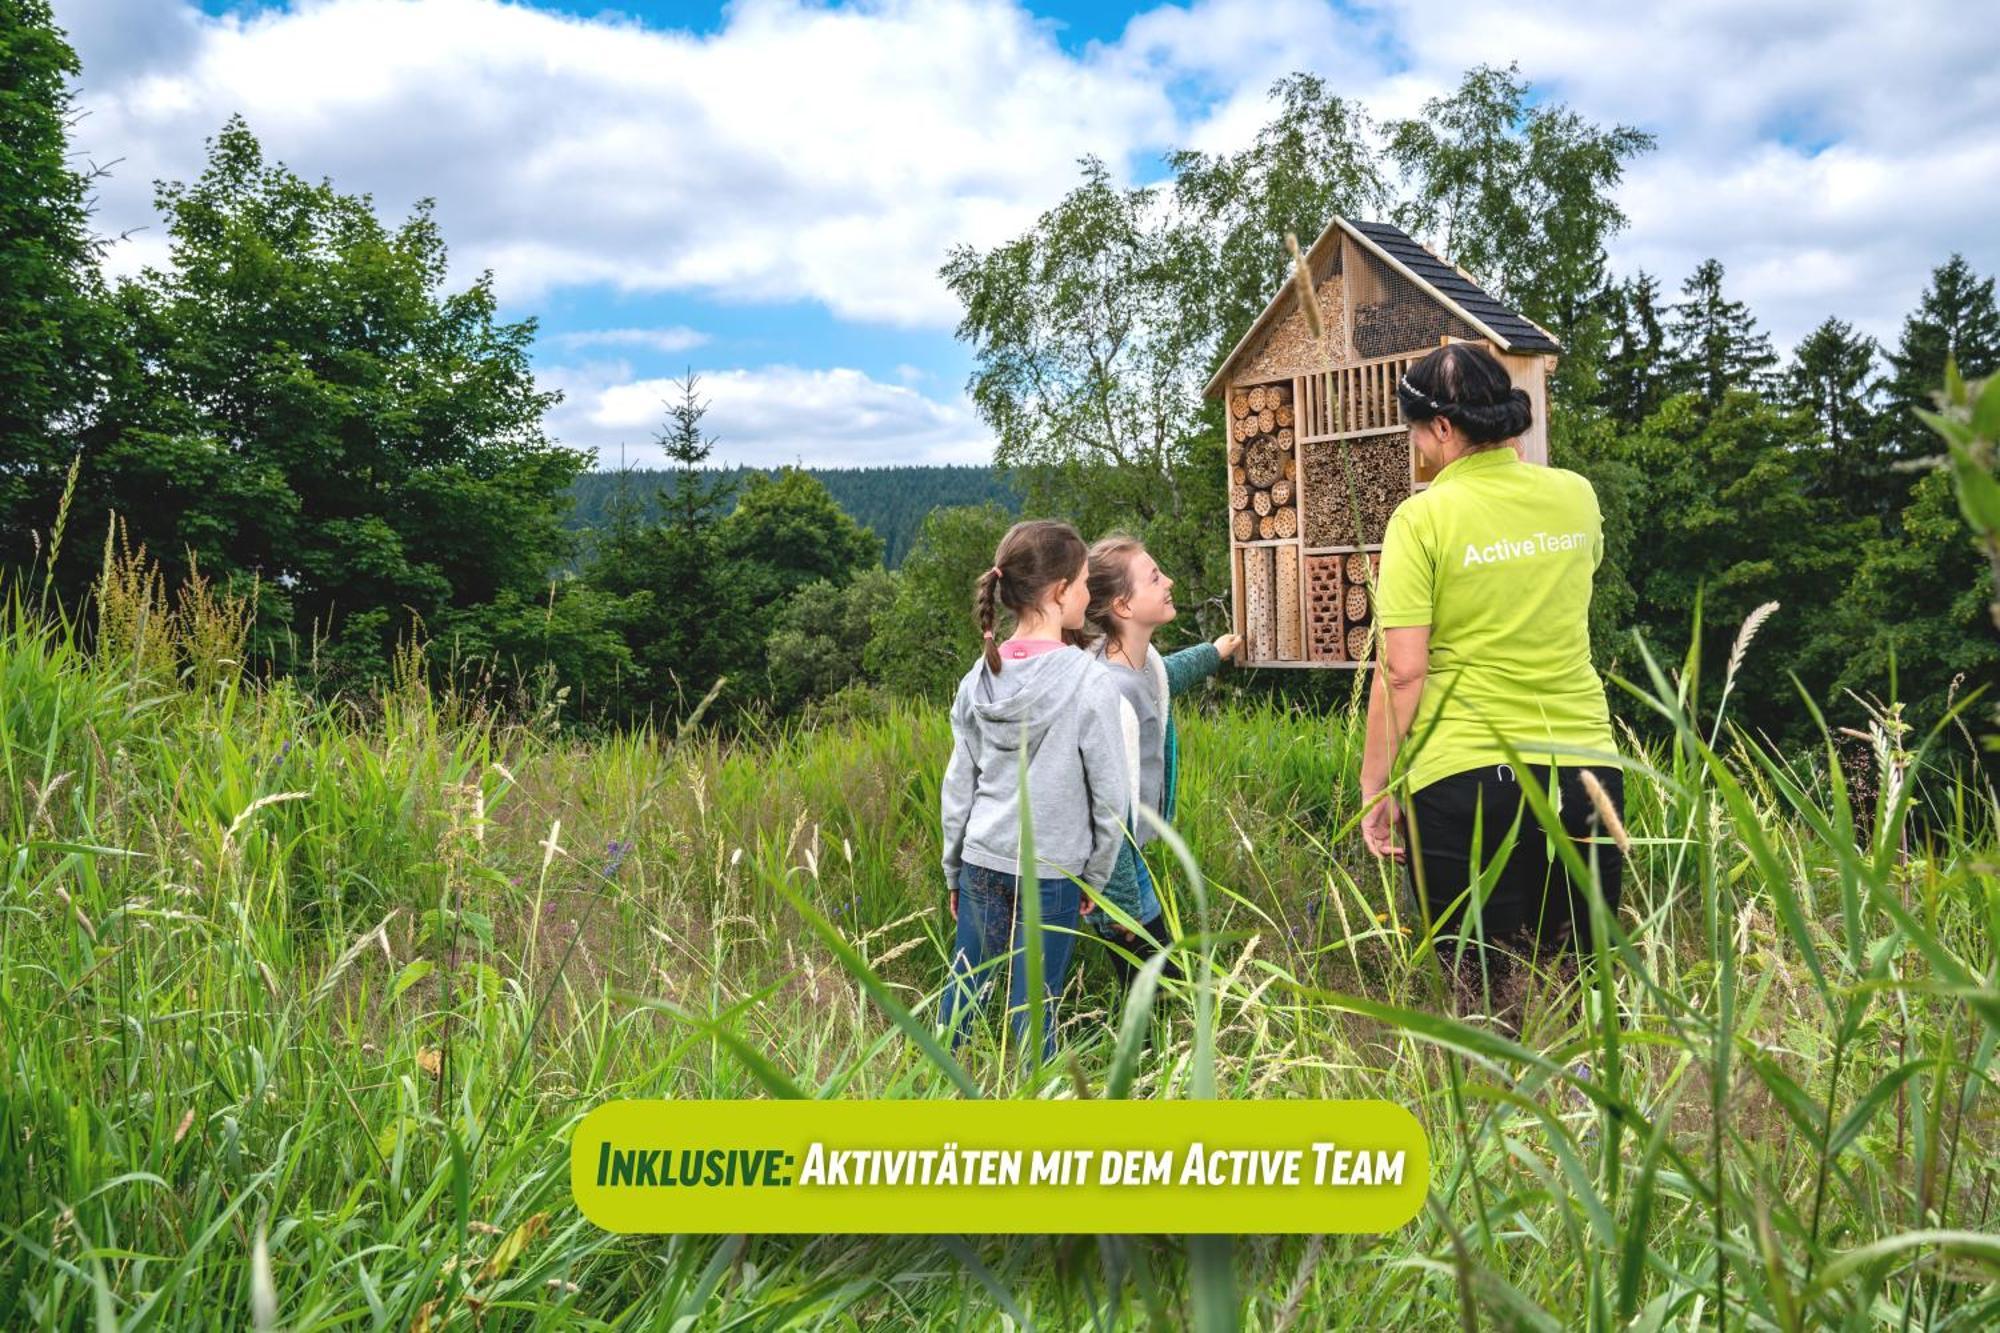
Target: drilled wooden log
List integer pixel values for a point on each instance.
(1243, 525)
(1267, 527)
(1357, 643)
(1278, 395)
(1357, 567)
(1357, 602)
(1257, 398)
(1261, 502)
(1239, 403)
(1284, 415)
(1239, 497)
(1238, 476)
(1235, 452)
(1286, 521)
(1290, 636)
(1259, 573)
(1291, 468)
(1281, 491)
(1285, 440)
(1267, 421)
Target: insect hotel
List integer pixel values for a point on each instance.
(1319, 454)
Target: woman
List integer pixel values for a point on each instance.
(1484, 602)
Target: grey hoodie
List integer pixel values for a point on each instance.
(1063, 705)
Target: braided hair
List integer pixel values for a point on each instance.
(1466, 385)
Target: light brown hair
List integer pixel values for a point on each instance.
(1110, 578)
(1034, 556)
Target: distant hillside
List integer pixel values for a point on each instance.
(890, 500)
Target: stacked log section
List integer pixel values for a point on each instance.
(1263, 467)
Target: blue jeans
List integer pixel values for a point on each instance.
(990, 933)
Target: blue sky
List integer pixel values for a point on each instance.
(764, 190)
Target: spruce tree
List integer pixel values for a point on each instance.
(1956, 318)
(1832, 381)
(1717, 345)
(1635, 372)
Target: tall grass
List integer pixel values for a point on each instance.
(300, 1003)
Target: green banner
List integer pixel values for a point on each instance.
(999, 1167)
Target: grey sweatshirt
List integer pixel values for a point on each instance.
(1063, 706)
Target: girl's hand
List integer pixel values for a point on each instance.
(1229, 645)
(1378, 828)
(954, 904)
(1088, 906)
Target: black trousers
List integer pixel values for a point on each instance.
(1531, 905)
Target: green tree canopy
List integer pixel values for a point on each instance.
(1519, 192)
(927, 638)
(786, 532)
(52, 327)
(308, 403)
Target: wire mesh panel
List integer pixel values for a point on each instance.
(1391, 314)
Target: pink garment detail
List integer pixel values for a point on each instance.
(1013, 650)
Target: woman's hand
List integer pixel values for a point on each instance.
(954, 904)
(1088, 906)
(1229, 645)
(1378, 827)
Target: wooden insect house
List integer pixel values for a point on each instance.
(1319, 454)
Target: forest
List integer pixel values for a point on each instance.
(890, 501)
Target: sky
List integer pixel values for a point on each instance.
(763, 191)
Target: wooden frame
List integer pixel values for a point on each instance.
(1352, 399)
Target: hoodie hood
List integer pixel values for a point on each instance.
(1034, 690)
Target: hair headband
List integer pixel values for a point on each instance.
(1412, 392)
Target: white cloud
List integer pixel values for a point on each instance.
(1830, 153)
(767, 416)
(801, 151)
(675, 339)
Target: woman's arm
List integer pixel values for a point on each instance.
(1392, 704)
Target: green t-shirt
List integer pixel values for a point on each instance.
(1497, 557)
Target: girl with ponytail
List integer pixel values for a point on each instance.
(1032, 701)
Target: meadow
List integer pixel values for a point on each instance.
(299, 1002)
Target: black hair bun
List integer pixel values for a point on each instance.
(1489, 423)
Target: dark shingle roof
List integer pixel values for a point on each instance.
(1518, 333)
